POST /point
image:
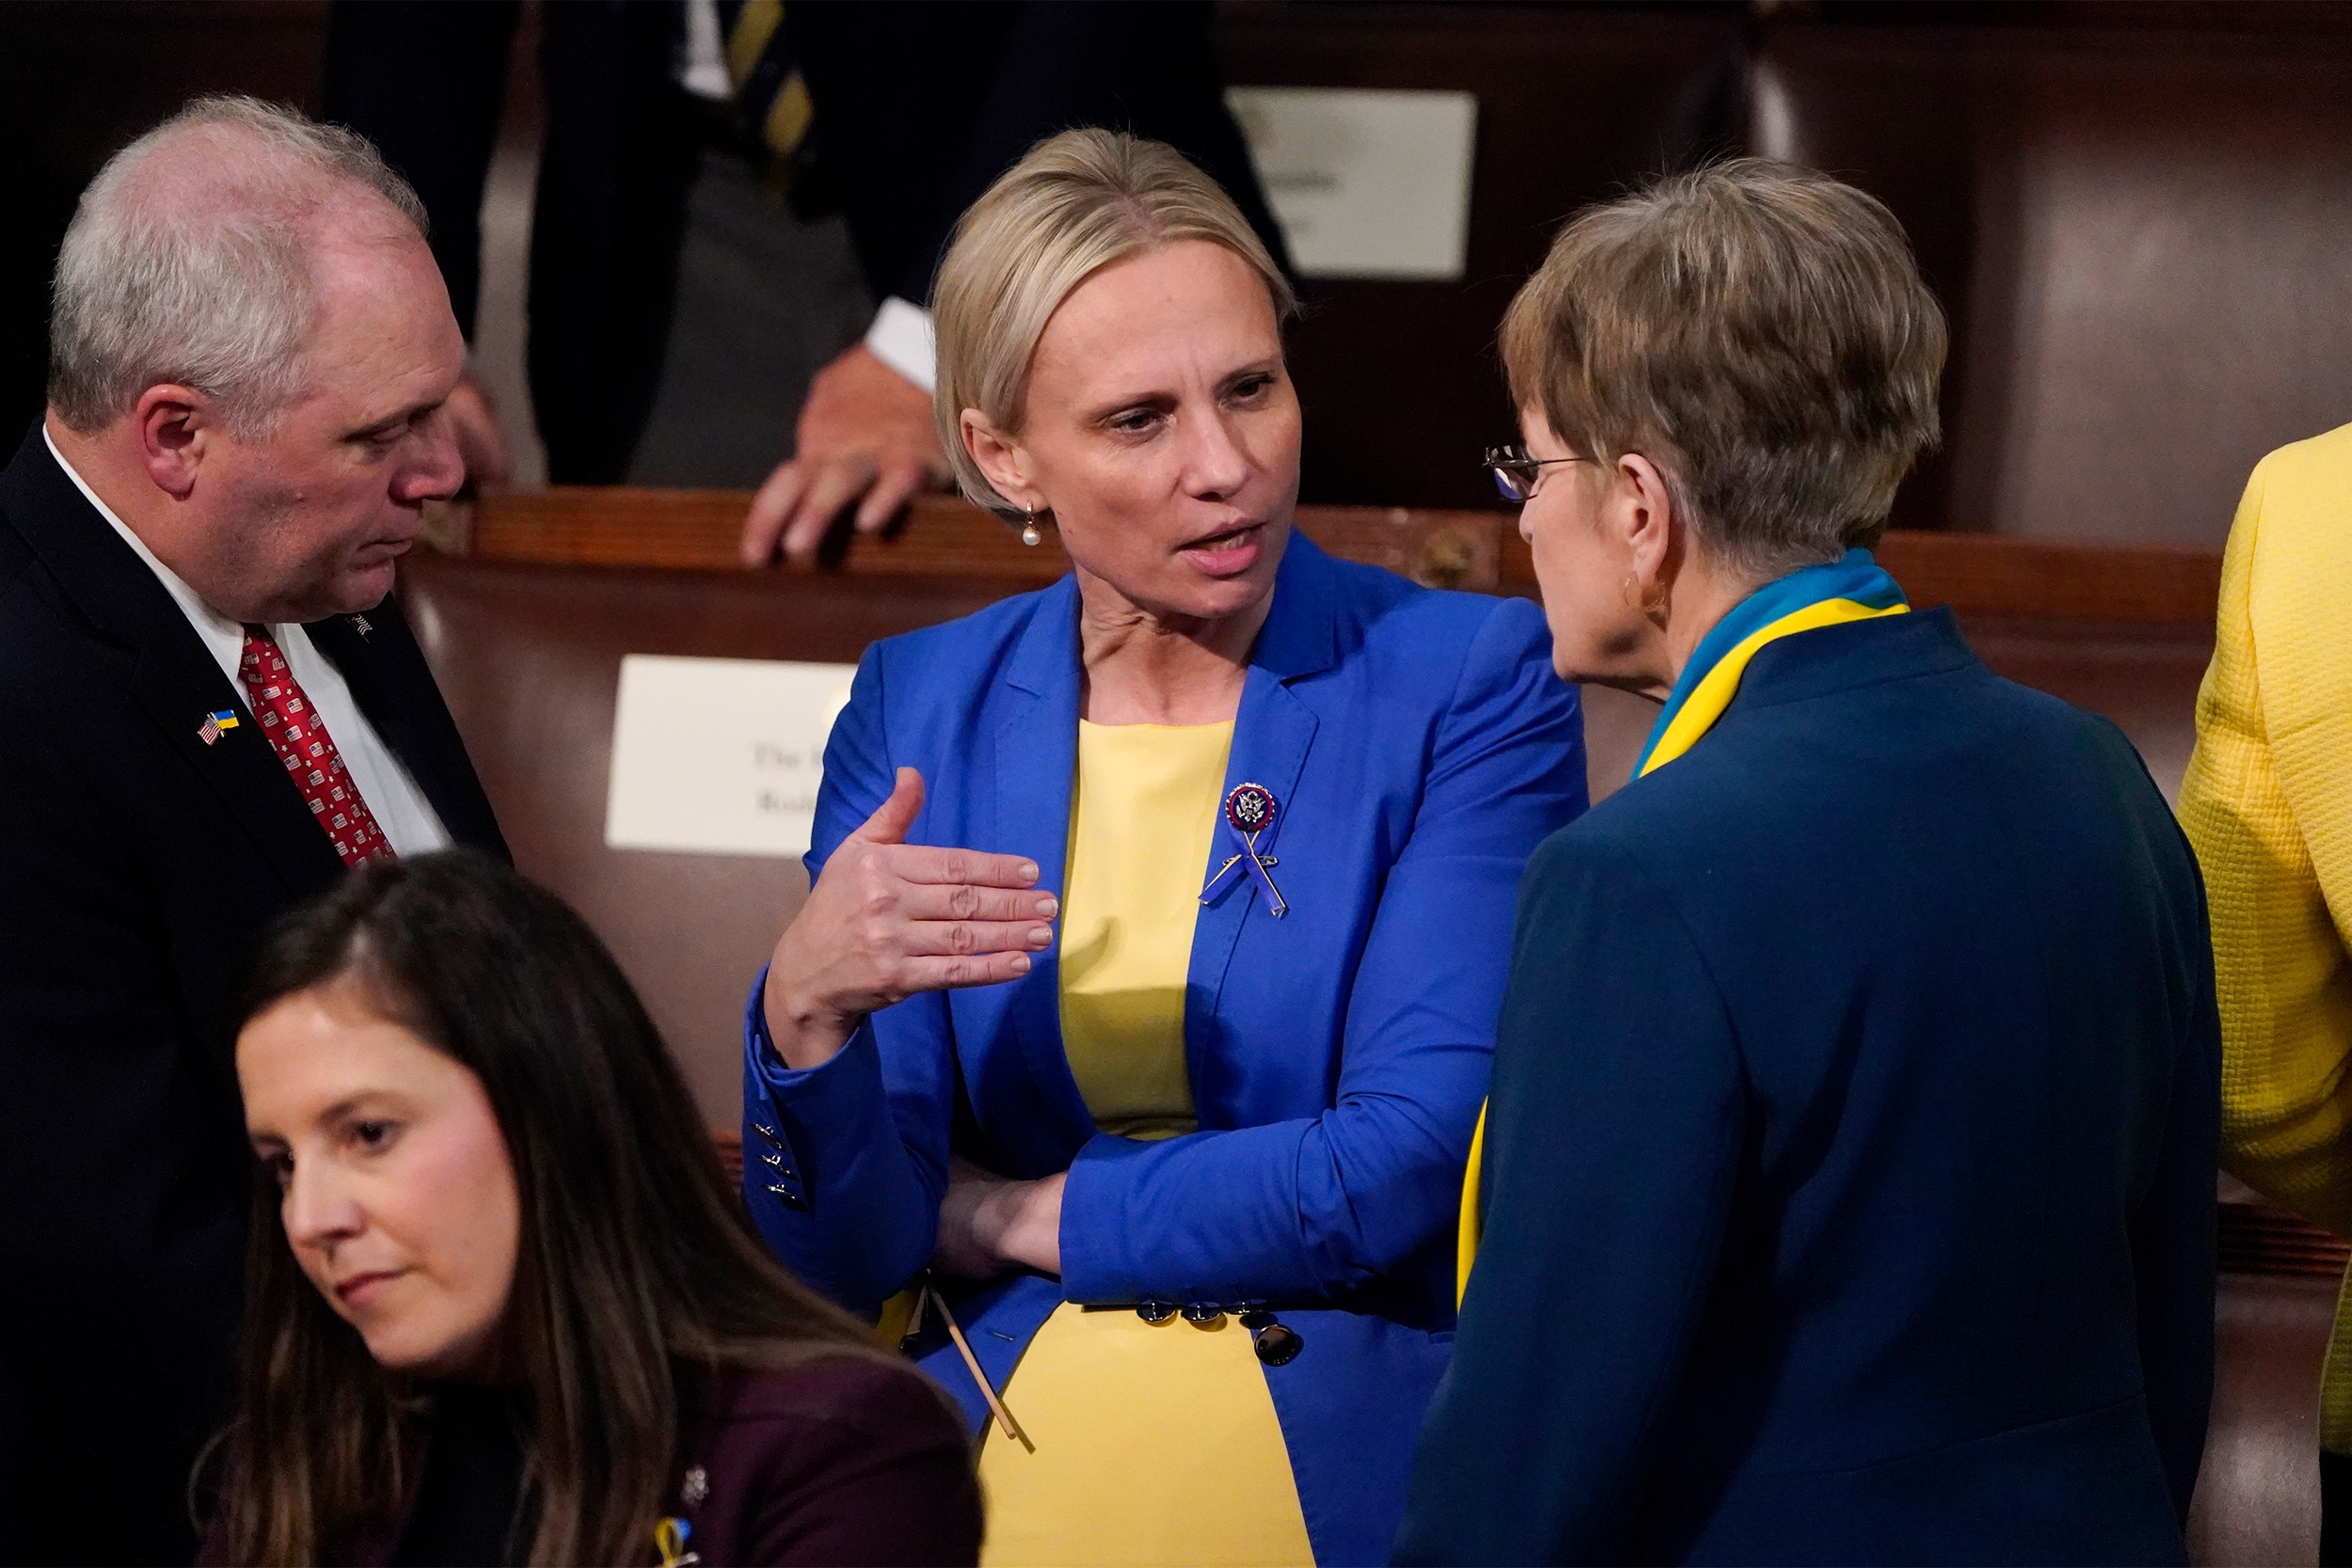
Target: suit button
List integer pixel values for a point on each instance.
(1277, 1344)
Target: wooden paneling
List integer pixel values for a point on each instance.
(1976, 574)
(2259, 1237)
(1399, 380)
(1981, 575)
(939, 536)
(697, 530)
(2138, 236)
(2258, 1492)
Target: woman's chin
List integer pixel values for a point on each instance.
(1222, 599)
(430, 1350)
(1183, 595)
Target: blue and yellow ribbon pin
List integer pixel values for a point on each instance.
(669, 1539)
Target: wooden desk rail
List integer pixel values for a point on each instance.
(942, 536)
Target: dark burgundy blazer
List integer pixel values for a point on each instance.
(847, 1461)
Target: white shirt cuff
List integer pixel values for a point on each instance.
(901, 338)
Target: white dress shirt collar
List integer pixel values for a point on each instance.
(408, 819)
(223, 638)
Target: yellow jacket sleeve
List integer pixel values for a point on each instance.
(2267, 802)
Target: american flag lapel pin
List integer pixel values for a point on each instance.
(214, 723)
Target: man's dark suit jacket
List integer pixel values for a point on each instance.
(1851, 1149)
(919, 105)
(139, 867)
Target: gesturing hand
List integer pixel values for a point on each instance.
(887, 919)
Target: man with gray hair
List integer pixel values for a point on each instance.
(213, 708)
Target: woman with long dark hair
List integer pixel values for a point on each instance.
(502, 1306)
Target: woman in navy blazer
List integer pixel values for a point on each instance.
(1413, 748)
(1848, 1189)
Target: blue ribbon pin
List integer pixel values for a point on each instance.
(1248, 812)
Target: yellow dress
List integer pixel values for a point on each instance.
(2267, 802)
(1154, 1443)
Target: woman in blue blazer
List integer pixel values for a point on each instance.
(1848, 1187)
(1291, 794)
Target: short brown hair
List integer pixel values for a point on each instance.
(1758, 330)
(1076, 203)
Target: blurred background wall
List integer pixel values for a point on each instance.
(2136, 213)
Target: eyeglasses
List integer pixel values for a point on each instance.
(1515, 472)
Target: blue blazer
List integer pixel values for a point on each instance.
(1850, 1170)
(1420, 748)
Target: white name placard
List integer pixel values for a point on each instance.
(720, 755)
(1365, 183)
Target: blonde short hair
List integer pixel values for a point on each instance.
(1076, 203)
(1757, 329)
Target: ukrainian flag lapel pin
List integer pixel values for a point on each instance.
(214, 723)
(669, 1539)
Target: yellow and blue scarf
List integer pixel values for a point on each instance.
(1855, 588)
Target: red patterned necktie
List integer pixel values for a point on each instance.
(308, 752)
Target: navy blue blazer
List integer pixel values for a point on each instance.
(1420, 748)
(1850, 1169)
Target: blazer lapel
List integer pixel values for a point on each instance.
(173, 677)
(1036, 740)
(380, 660)
(243, 768)
(1272, 735)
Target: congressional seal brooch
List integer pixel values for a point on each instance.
(1249, 811)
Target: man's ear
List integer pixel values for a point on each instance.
(1002, 458)
(177, 426)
